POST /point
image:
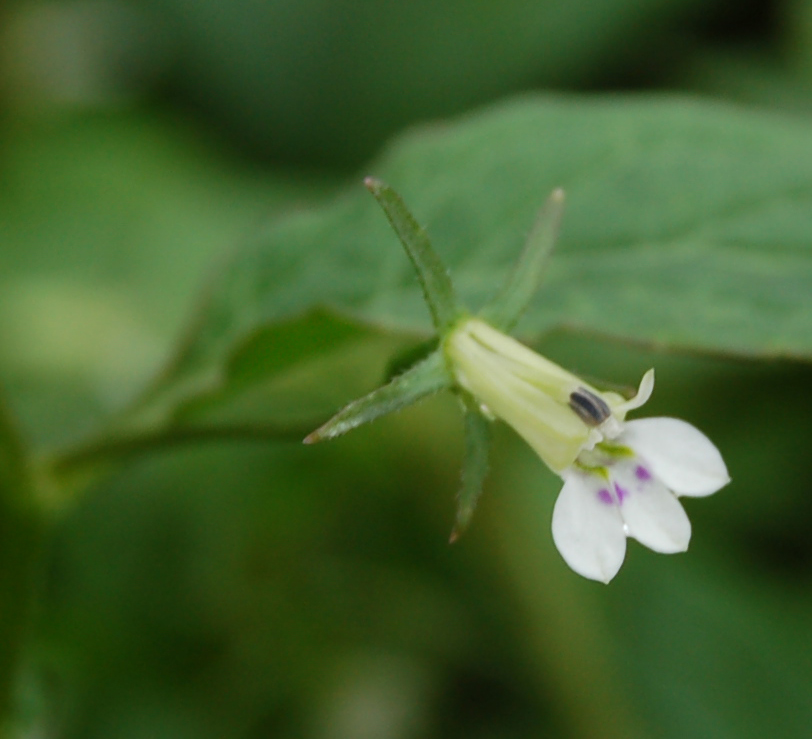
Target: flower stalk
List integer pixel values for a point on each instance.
(21, 527)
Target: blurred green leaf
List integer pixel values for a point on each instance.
(716, 652)
(108, 224)
(330, 80)
(688, 227)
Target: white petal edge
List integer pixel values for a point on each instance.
(684, 459)
(651, 512)
(644, 392)
(621, 407)
(588, 532)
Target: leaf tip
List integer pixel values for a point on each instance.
(557, 195)
(313, 437)
(373, 184)
(461, 524)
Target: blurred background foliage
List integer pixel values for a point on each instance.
(259, 589)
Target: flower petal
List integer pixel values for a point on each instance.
(680, 455)
(651, 512)
(621, 406)
(587, 527)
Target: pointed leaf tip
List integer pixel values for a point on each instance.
(523, 280)
(474, 469)
(424, 378)
(431, 272)
(373, 184)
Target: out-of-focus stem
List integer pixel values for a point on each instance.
(73, 470)
(560, 612)
(20, 536)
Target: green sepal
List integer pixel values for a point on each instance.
(431, 272)
(424, 378)
(505, 309)
(474, 467)
(409, 357)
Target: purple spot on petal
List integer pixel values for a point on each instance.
(621, 493)
(642, 473)
(605, 496)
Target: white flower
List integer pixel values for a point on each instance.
(629, 487)
(620, 479)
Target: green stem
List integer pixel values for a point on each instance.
(21, 525)
(78, 466)
(561, 612)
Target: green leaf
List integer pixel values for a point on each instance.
(431, 272)
(688, 227)
(474, 467)
(109, 222)
(425, 378)
(504, 311)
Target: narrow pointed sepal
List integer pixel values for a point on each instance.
(474, 469)
(431, 272)
(504, 311)
(424, 378)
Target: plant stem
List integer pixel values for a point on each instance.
(21, 524)
(76, 467)
(561, 613)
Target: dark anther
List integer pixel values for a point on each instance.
(591, 409)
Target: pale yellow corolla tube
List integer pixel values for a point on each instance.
(554, 411)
